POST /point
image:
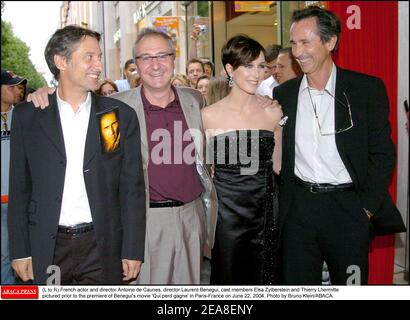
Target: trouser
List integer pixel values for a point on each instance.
(174, 242)
(78, 259)
(331, 227)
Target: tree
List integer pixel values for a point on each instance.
(203, 8)
(15, 57)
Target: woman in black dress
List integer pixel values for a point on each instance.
(245, 143)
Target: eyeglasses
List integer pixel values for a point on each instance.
(336, 100)
(161, 57)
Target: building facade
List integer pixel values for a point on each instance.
(120, 21)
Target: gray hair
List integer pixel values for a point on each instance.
(151, 32)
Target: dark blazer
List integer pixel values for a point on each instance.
(366, 150)
(114, 184)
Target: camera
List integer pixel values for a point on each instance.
(203, 28)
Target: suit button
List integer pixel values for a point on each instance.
(52, 236)
(62, 163)
(58, 199)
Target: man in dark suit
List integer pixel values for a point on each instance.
(337, 160)
(73, 203)
(180, 198)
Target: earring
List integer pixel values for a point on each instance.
(230, 81)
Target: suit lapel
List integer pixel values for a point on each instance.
(50, 122)
(342, 117)
(290, 110)
(186, 106)
(92, 141)
(135, 100)
(193, 122)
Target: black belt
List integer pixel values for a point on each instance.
(323, 187)
(165, 204)
(79, 228)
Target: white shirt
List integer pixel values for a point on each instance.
(75, 207)
(317, 159)
(266, 87)
(122, 85)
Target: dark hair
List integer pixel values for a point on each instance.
(126, 65)
(128, 62)
(149, 32)
(103, 83)
(272, 52)
(64, 42)
(208, 63)
(240, 50)
(328, 23)
(30, 90)
(192, 61)
(204, 76)
(294, 64)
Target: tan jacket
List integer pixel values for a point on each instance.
(191, 102)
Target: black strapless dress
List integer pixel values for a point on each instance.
(246, 232)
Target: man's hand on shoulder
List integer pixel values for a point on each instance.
(40, 97)
(266, 102)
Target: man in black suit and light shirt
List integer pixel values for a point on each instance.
(337, 160)
(74, 203)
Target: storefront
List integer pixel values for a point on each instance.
(266, 21)
(166, 16)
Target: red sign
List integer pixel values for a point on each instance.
(19, 292)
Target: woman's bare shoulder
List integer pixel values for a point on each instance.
(212, 109)
(210, 114)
